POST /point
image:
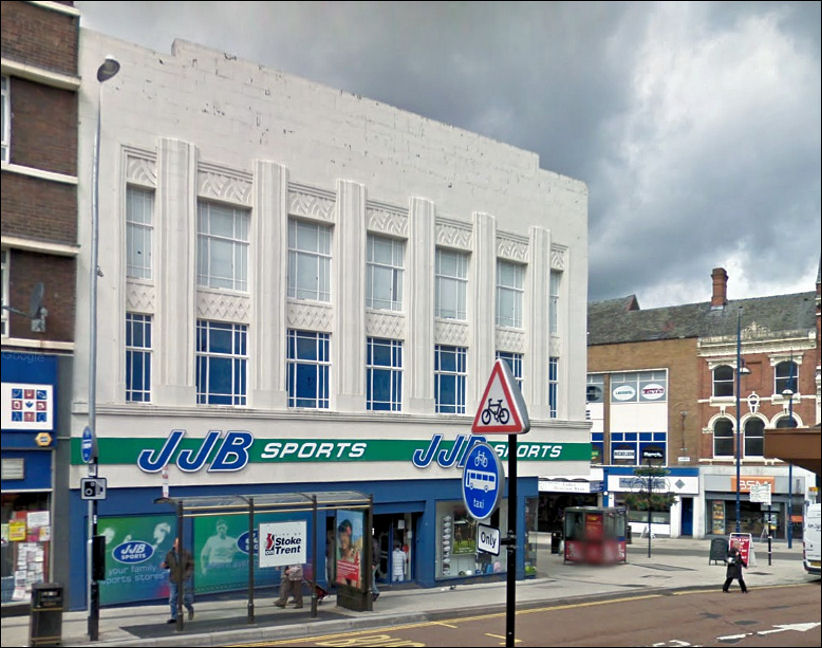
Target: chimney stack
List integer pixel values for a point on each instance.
(720, 295)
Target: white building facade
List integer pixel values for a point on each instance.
(305, 290)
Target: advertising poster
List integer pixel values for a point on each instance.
(349, 547)
(745, 543)
(135, 547)
(284, 543)
(718, 518)
(221, 548)
(593, 526)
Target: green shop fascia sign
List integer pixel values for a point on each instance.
(233, 450)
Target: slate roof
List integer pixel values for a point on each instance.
(614, 321)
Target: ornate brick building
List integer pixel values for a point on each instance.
(663, 382)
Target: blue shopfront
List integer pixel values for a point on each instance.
(30, 425)
(423, 533)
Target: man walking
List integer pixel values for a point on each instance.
(291, 583)
(177, 560)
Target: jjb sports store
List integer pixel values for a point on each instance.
(420, 524)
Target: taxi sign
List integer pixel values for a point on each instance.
(501, 408)
(482, 481)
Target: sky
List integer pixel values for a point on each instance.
(695, 126)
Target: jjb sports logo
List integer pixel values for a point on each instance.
(133, 552)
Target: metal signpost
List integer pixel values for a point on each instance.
(502, 410)
(761, 492)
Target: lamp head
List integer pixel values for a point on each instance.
(108, 69)
(787, 394)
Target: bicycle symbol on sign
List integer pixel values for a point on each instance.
(481, 460)
(496, 410)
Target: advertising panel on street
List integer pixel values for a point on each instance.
(135, 547)
(745, 543)
(350, 526)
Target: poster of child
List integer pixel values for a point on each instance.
(349, 547)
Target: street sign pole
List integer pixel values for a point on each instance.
(502, 409)
(511, 575)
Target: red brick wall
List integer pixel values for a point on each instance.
(39, 37)
(38, 209)
(43, 126)
(58, 275)
(679, 357)
(761, 381)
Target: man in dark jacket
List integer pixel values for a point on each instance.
(175, 561)
(734, 570)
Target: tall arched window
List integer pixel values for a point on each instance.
(786, 376)
(754, 437)
(723, 438)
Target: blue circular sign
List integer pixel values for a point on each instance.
(87, 444)
(482, 481)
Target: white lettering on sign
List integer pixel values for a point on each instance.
(653, 391)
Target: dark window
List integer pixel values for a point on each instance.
(723, 438)
(724, 381)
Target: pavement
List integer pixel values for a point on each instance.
(675, 564)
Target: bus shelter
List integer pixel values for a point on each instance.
(595, 535)
(351, 594)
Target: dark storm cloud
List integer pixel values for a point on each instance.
(695, 125)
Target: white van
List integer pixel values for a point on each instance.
(810, 540)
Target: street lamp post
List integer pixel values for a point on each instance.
(788, 395)
(739, 371)
(106, 71)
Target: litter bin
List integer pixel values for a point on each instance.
(556, 538)
(46, 623)
(628, 539)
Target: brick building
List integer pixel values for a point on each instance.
(662, 382)
(39, 266)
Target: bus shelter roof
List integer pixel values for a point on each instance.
(292, 501)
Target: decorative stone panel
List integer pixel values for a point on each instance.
(512, 248)
(453, 234)
(141, 167)
(222, 184)
(452, 333)
(310, 202)
(223, 307)
(558, 260)
(385, 325)
(512, 340)
(387, 219)
(140, 298)
(310, 316)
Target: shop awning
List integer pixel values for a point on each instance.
(800, 446)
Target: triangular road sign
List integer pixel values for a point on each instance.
(501, 409)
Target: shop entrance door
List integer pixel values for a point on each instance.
(393, 535)
(687, 516)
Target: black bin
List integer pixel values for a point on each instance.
(46, 624)
(556, 538)
(628, 539)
